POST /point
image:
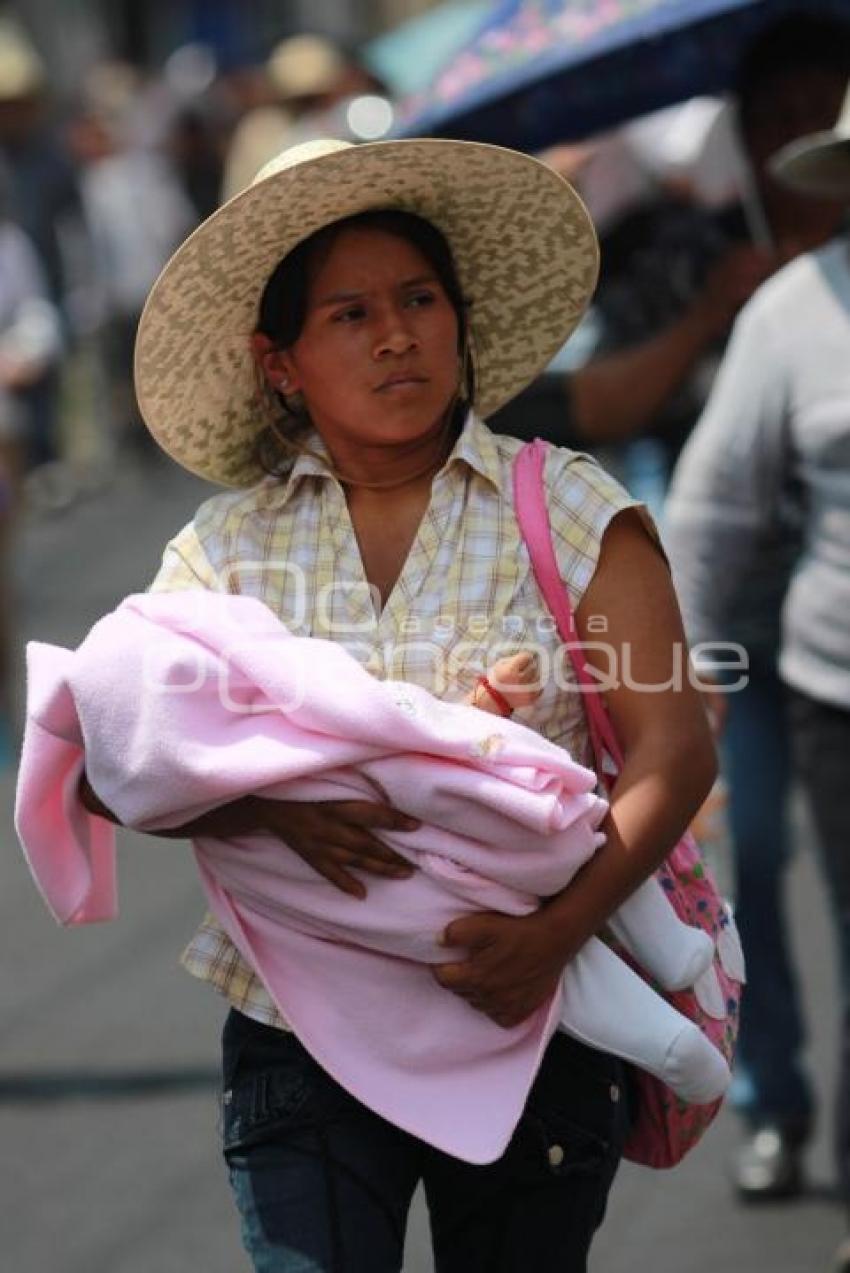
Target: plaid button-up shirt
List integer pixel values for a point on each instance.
(465, 596)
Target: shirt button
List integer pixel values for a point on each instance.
(556, 1155)
(614, 1093)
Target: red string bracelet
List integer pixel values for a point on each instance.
(499, 699)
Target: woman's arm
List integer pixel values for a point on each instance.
(723, 507)
(513, 965)
(657, 714)
(240, 817)
(332, 837)
(618, 394)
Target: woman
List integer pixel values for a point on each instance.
(386, 523)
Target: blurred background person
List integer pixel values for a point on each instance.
(771, 455)
(673, 276)
(43, 198)
(137, 211)
(195, 146)
(199, 124)
(674, 272)
(305, 76)
(30, 347)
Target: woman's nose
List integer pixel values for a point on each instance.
(395, 335)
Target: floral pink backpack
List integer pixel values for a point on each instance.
(665, 1128)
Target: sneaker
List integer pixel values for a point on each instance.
(769, 1166)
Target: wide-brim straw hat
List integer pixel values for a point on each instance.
(818, 164)
(523, 244)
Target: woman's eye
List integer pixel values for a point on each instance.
(421, 298)
(349, 315)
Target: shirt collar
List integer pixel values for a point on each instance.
(474, 447)
(307, 464)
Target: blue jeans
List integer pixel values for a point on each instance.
(323, 1184)
(821, 739)
(770, 1084)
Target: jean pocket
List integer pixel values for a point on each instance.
(577, 1117)
(260, 1102)
(552, 1147)
(273, 1085)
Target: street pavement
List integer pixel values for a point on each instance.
(108, 1115)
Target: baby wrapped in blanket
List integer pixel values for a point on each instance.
(646, 926)
(179, 703)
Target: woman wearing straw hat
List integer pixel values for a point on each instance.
(328, 343)
(774, 440)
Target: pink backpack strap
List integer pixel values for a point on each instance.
(532, 513)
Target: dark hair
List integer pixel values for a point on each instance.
(283, 304)
(801, 40)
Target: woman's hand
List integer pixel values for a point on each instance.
(512, 966)
(329, 836)
(338, 835)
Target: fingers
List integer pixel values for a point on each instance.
(352, 844)
(366, 813)
(459, 980)
(457, 977)
(341, 879)
(364, 858)
(354, 834)
(471, 931)
(343, 828)
(332, 867)
(374, 851)
(518, 669)
(332, 836)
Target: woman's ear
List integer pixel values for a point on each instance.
(275, 364)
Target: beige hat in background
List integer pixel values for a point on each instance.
(524, 246)
(22, 71)
(818, 164)
(305, 66)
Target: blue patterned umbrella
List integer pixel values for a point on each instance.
(407, 57)
(544, 71)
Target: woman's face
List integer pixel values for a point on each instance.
(377, 359)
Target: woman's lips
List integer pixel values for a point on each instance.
(400, 382)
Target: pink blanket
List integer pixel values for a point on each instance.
(178, 703)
